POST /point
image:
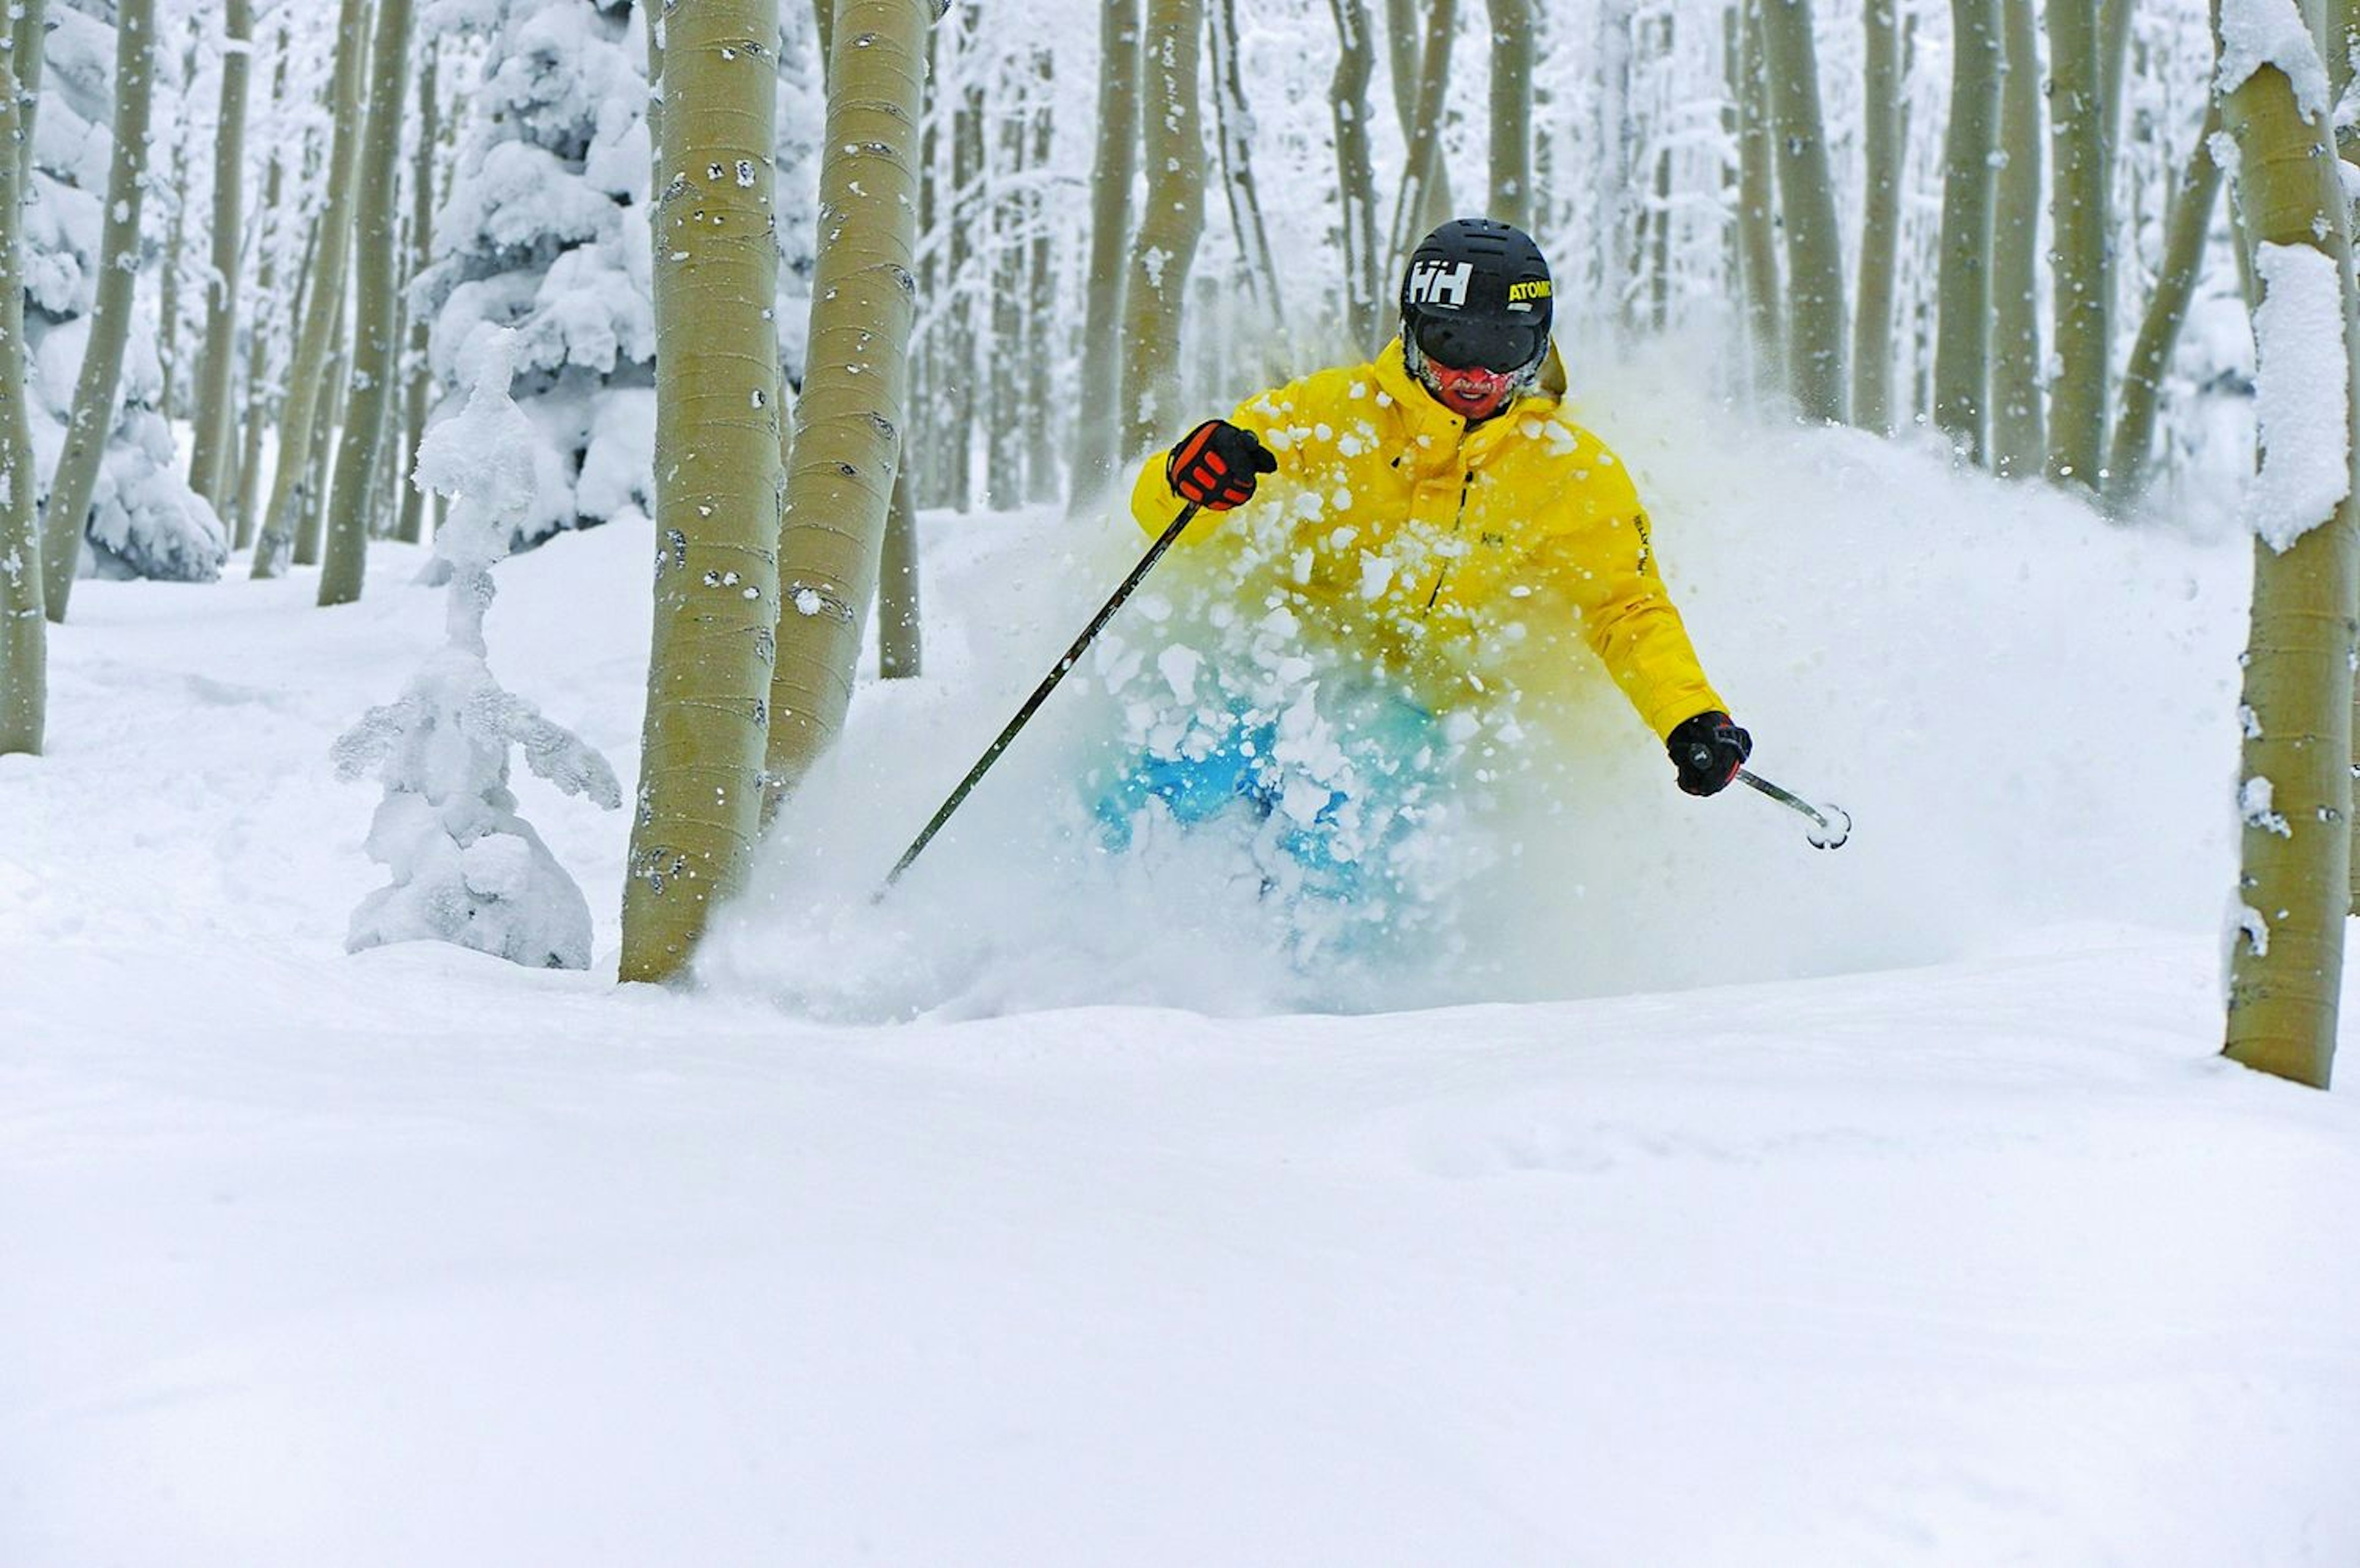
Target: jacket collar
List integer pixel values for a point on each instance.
(1421, 415)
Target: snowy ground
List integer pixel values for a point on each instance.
(1752, 1206)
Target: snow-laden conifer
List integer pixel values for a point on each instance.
(143, 519)
(545, 232)
(467, 869)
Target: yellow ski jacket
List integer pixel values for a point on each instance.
(1442, 554)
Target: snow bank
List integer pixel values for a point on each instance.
(415, 1257)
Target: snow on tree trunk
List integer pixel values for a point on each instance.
(545, 231)
(466, 867)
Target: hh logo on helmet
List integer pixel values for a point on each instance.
(1437, 283)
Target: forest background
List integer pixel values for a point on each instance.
(1984, 221)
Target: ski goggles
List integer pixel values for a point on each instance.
(1467, 342)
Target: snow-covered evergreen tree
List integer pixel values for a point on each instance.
(467, 869)
(545, 232)
(145, 521)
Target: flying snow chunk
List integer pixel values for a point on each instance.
(1178, 666)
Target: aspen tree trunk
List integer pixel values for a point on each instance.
(376, 363)
(1731, 191)
(1096, 419)
(957, 444)
(2185, 228)
(310, 531)
(1233, 131)
(30, 34)
(322, 318)
(1406, 32)
(1881, 151)
(1757, 218)
(418, 397)
(1047, 348)
(2344, 62)
(1514, 24)
(1658, 221)
(1963, 344)
(900, 643)
(1356, 179)
(1610, 175)
(2018, 437)
(925, 357)
(2081, 245)
(209, 454)
(2114, 39)
(24, 630)
(1003, 467)
(717, 480)
(110, 316)
(384, 466)
(1815, 359)
(2285, 963)
(167, 340)
(851, 420)
(652, 15)
(1169, 226)
(256, 408)
(1415, 204)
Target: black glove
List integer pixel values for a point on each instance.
(1214, 464)
(1709, 750)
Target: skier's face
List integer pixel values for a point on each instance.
(1469, 394)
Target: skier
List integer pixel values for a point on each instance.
(1435, 524)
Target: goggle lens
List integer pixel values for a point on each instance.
(1464, 343)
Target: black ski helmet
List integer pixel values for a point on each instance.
(1478, 296)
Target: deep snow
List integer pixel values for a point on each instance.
(1746, 1204)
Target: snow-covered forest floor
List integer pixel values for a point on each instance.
(1730, 1202)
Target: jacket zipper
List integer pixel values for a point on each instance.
(1457, 525)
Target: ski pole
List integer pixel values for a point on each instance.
(1834, 823)
(1040, 694)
